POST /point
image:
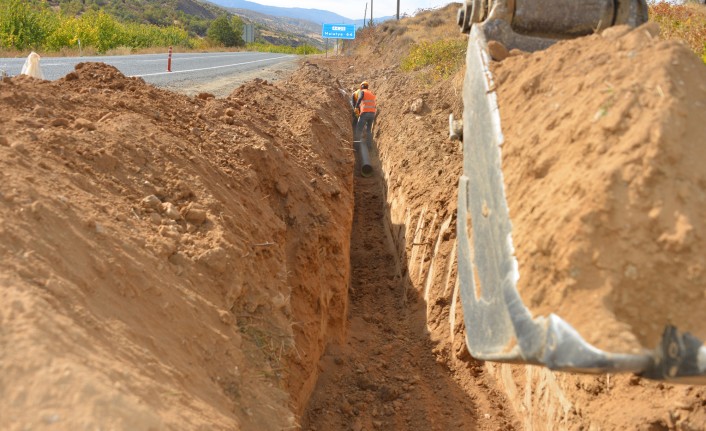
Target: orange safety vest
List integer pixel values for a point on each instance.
(367, 102)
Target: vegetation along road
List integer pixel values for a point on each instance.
(191, 72)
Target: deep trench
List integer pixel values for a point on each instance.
(385, 376)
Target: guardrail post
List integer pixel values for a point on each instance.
(169, 61)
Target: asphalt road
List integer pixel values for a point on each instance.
(188, 69)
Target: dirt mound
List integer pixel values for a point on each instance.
(603, 163)
(166, 260)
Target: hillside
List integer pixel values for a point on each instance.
(282, 30)
(314, 15)
(192, 14)
(95, 26)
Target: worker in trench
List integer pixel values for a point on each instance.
(366, 105)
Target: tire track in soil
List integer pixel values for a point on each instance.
(385, 376)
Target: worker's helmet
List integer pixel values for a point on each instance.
(364, 85)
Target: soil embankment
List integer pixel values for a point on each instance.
(606, 185)
(168, 262)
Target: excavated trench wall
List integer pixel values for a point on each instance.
(169, 262)
(422, 229)
(421, 168)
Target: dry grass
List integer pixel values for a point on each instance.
(682, 22)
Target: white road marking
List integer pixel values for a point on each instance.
(208, 68)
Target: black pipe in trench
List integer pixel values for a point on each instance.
(366, 168)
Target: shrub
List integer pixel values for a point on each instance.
(24, 24)
(442, 58)
(283, 49)
(29, 24)
(226, 32)
(683, 22)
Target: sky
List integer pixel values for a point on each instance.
(354, 9)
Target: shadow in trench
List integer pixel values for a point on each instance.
(389, 374)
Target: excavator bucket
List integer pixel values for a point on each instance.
(499, 327)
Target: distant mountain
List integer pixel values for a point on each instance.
(318, 16)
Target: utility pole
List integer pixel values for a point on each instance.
(365, 14)
(371, 13)
(398, 10)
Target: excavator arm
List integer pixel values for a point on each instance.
(499, 327)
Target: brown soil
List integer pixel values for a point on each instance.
(168, 262)
(420, 169)
(171, 262)
(606, 185)
(388, 374)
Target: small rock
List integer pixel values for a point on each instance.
(417, 106)
(151, 202)
(82, 123)
(71, 76)
(615, 32)
(282, 187)
(155, 218)
(60, 122)
(634, 380)
(388, 394)
(228, 120)
(497, 50)
(170, 211)
(514, 52)
(206, 96)
(169, 232)
(40, 111)
(230, 112)
(215, 258)
(195, 215)
(226, 317)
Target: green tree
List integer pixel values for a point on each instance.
(222, 31)
(238, 25)
(24, 24)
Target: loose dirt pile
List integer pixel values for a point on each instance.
(604, 167)
(168, 262)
